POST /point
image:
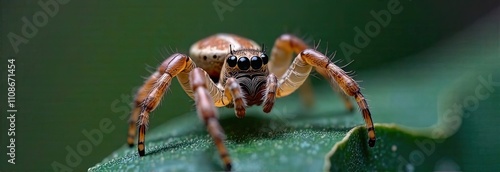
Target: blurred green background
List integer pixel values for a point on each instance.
(82, 66)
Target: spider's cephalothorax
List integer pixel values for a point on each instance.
(228, 57)
(210, 53)
(235, 72)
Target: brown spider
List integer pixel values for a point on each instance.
(232, 71)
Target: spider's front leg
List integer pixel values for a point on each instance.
(149, 95)
(196, 84)
(281, 57)
(233, 92)
(207, 112)
(301, 67)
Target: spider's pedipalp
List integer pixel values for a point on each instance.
(233, 92)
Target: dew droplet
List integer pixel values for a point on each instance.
(394, 148)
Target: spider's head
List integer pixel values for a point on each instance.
(246, 61)
(249, 68)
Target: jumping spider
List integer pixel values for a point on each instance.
(235, 72)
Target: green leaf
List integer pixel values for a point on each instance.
(389, 154)
(257, 142)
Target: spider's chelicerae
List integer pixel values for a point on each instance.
(235, 72)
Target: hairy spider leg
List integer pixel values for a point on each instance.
(207, 112)
(281, 57)
(300, 69)
(196, 84)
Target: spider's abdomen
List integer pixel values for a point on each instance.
(210, 53)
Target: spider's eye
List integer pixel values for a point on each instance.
(243, 63)
(256, 62)
(264, 58)
(231, 61)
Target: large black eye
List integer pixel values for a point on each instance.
(256, 62)
(264, 58)
(243, 63)
(231, 61)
